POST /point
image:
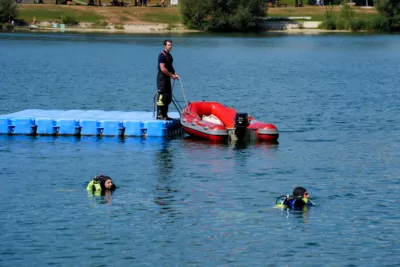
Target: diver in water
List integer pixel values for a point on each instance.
(300, 199)
(101, 185)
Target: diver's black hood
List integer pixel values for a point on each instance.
(299, 191)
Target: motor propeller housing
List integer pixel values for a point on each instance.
(241, 123)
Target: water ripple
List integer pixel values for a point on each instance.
(185, 202)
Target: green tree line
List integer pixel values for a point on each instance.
(390, 10)
(242, 15)
(222, 15)
(8, 10)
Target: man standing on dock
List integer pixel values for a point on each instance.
(166, 71)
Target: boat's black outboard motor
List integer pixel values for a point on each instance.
(241, 123)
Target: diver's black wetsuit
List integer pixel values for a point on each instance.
(164, 96)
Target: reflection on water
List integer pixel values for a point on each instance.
(236, 145)
(105, 198)
(164, 188)
(188, 202)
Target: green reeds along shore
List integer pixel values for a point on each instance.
(348, 19)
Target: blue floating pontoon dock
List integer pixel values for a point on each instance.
(88, 123)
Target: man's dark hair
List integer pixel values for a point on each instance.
(167, 41)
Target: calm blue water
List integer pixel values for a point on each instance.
(181, 202)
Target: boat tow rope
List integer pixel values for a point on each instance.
(183, 91)
(175, 101)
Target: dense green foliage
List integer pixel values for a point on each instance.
(222, 15)
(391, 10)
(70, 20)
(8, 10)
(347, 19)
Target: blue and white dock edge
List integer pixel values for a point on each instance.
(88, 122)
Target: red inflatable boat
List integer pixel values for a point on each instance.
(214, 121)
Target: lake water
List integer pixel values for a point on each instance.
(184, 202)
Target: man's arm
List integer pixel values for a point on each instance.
(166, 72)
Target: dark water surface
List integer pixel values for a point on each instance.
(182, 202)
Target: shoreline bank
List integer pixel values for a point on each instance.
(148, 28)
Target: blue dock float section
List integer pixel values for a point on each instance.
(88, 122)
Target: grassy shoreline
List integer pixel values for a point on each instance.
(154, 14)
(150, 18)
